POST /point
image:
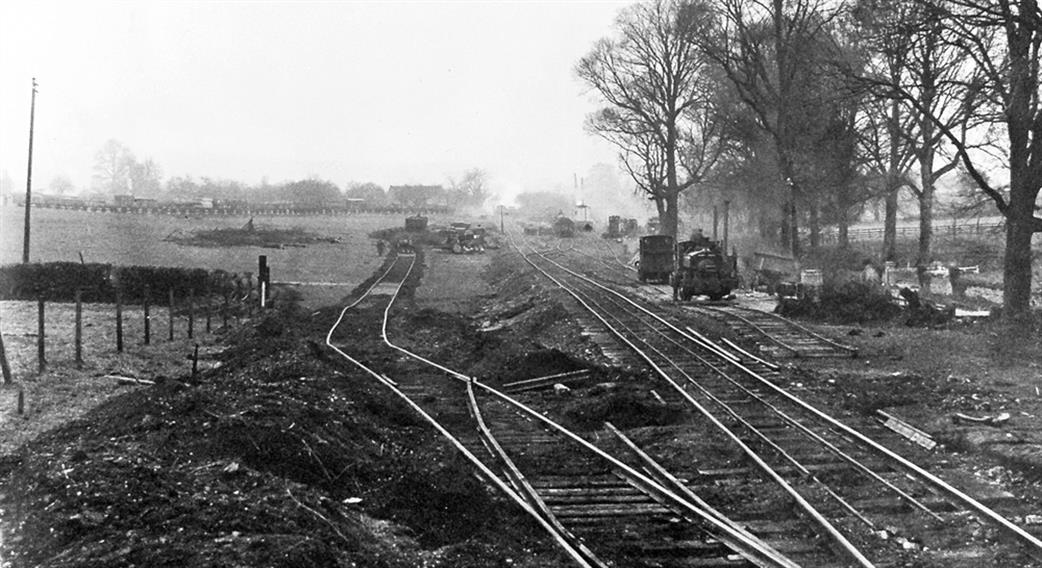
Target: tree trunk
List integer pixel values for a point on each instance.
(794, 226)
(1022, 114)
(843, 238)
(926, 199)
(669, 216)
(890, 221)
(893, 185)
(784, 228)
(815, 227)
(1016, 266)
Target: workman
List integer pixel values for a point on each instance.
(380, 247)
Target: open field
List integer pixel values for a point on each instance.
(130, 239)
(64, 392)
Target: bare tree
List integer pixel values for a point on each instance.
(471, 189)
(770, 51)
(997, 86)
(1003, 40)
(660, 112)
(112, 167)
(885, 123)
(929, 86)
(145, 177)
(61, 185)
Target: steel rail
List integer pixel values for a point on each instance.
(667, 478)
(1034, 543)
(810, 332)
(528, 493)
(730, 411)
(803, 429)
(755, 551)
(989, 514)
(795, 350)
(616, 257)
(767, 364)
(809, 509)
(713, 348)
(758, 433)
(852, 350)
(560, 539)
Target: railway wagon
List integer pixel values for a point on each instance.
(703, 270)
(620, 227)
(656, 258)
(564, 227)
(416, 223)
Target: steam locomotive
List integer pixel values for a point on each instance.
(693, 268)
(702, 269)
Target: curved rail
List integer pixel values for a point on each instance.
(1033, 544)
(562, 540)
(726, 530)
(753, 456)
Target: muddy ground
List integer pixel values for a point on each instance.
(284, 456)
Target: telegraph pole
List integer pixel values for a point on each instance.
(29, 177)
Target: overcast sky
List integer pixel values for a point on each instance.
(391, 92)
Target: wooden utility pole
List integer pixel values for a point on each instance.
(29, 177)
(727, 222)
(78, 337)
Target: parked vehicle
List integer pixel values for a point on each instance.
(564, 227)
(702, 269)
(620, 227)
(656, 258)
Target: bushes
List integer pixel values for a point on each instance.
(852, 302)
(58, 281)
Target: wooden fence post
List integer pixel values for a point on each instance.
(41, 359)
(191, 312)
(79, 328)
(171, 314)
(206, 308)
(195, 360)
(148, 317)
(4, 367)
(119, 321)
(249, 295)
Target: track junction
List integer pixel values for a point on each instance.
(765, 478)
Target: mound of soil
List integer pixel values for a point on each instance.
(625, 407)
(250, 236)
(277, 458)
(853, 302)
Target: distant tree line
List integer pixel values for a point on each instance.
(118, 171)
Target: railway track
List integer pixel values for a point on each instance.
(776, 335)
(600, 510)
(850, 490)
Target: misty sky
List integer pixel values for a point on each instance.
(391, 92)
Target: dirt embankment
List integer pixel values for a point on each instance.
(280, 457)
(283, 456)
